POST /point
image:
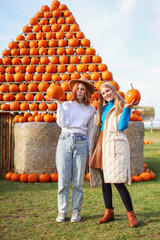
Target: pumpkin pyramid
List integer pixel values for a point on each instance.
(51, 50)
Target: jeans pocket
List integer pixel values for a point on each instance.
(63, 136)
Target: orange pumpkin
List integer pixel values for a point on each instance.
(8, 175)
(88, 176)
(137, 178)
(44, 177)
(54, 92)
(24, 177)
(15, 177)
(145, 176)
(54, 177)
(132, 94)
(32, 178)
(48, 118)
(152, 175)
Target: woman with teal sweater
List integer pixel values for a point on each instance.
(111, 155)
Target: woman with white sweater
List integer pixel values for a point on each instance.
(76, 118)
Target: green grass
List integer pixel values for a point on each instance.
(28, 211)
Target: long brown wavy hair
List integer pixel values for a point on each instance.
(87, 96)
(119, 102)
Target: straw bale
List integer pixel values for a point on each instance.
(135, 135)
(35, 147)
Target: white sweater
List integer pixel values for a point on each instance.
(76, 117)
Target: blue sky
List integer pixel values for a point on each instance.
(125, 33)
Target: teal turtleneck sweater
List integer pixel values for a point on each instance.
(124, 120)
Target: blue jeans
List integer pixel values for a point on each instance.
(71, 158)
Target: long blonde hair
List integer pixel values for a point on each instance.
(119, 102)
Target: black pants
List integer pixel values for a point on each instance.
(121, 188)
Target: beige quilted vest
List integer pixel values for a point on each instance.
(116, 154)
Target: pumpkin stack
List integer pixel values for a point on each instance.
(50, 51)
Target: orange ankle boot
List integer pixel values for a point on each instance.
(108, 216)
(133, 222)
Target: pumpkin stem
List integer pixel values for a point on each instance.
(131, 85)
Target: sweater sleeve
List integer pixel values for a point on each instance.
(90, 131)
(124, 120)
(63, 117)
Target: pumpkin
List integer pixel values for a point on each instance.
(88, 176)
(51, 68)
(121, 94)
(29, 97)
(43, 106)
(95, 96)
(60, 35)
(85, 59)
(92, 67)
(44, 60)
(44, 177)
(33, 52)
(32, 87)
(95, 104)
(24, 177)
(71, 68)
(69, 96)
(90, 51)
(39, 97)
(95, 76)
(8, 97)
(70, 20)
(66, 77)
(82, 67)
(4, 107)
(38, 118)
(98, 84)
(145, 165)
(23, 87)
(54, 177)
(54, 92)
(27, 115)
(9, 77)
(33, 21)
(13, 88)
(19, 97)
(79, 35)
(60, 51)
(63, 59)
(37, 77)
(48, 118)
(14, 106)
(75, 75)
(115, 84)
(24, 106)
(56, 77)
(33, 106)
(65, 86)
(85, 42)
(43, 86)
(132, 94)
(61, 68)
(15, 51)
(107, 75)
(145, 176)
(22, 119)
(52, 106)
(31, 119)
(8, 175)
(73, 42)
(152, 175)
(32, 178)
(70, 35)
(137, 178)
(15, 177)
(64, 28)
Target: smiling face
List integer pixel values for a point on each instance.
(80, 93)
(107, 93)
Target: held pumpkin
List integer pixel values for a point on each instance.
(54, 91)
(132, 94)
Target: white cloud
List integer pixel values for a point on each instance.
(126, 7)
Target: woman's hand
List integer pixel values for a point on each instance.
(127, 105)
(54, 100)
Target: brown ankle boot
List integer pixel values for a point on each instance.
(108, 216)
(133, 222)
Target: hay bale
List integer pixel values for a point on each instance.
(35, 147)
(135, 135)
